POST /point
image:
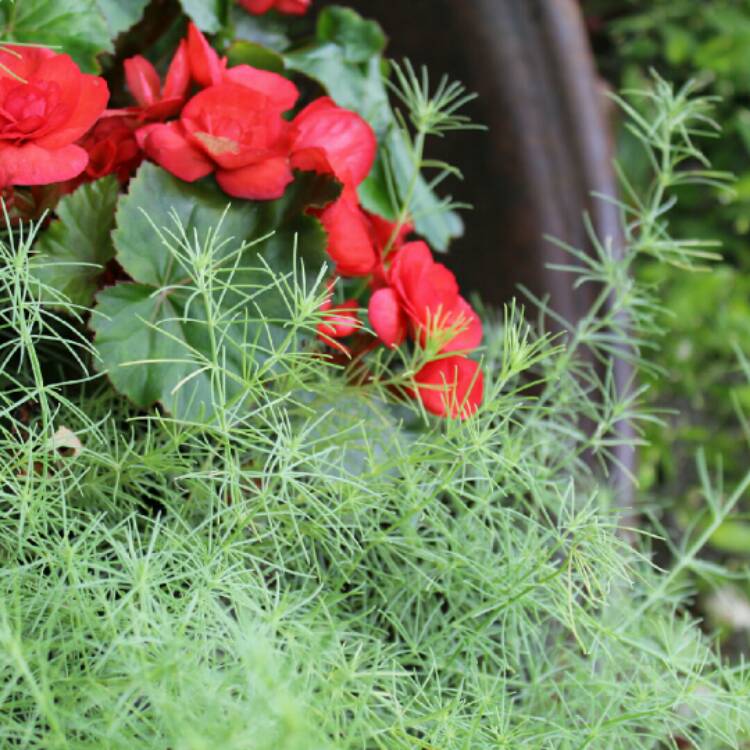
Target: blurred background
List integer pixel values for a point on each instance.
(543, 69)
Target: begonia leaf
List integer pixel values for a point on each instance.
(157, 199)
(153, 334)
(76, 27)
(74, 249)
(150, 343)
(346, 61)
(269, 31)
(206, 14)
(359, 38)
(243, 52)
(120, 15)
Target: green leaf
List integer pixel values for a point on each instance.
(207, 14)
(76, 27)
(120, 15)
(374, 193)
(154, 344)
(347, 63)
(360, 40)
(250, 53)
(156, 196)
(150, 344)
(352, 85)
(77, 245)
(268, 31)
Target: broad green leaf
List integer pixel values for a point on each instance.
(76, 246)
(156, 198)
(207, 14)
(120, 15)
(76, 27)
(250, 53)
(360, 39)
(374, 193)
(357, 86)
(154, 345)
(268, 31)
(346, 61)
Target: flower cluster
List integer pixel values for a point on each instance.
(237, 124)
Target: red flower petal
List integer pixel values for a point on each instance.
(88, 94)
(340, 320)
(258, 7)
(22, 62)
(292, 7)
(234, 126)
(311, 160)
(387, 317)
(177, 82)
(409, 266)
(279, 90)
(206, 67)
(264, 181)
(142, 79)
(31, 165)
(383, 231)
(469, 325)
(452, 387)
(348, 141)
(167, 145)
(349, 243)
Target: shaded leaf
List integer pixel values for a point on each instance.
(77, 245)
(76, 27)
(207, 14)
(156, 196)
(268, 30)
(250, 53)
(120, 15)
(360, 39)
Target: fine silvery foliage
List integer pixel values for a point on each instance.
(316, 567)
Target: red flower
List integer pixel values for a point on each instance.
(339, 321)
(424, 296)
(112, 148)
(291, 7)
(46, 105)
(333, 140)
(206, 67)
(157, 102)
(235, 129)
(451, 387)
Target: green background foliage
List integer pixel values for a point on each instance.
(703, 384)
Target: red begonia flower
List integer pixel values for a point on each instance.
(157, 102)
(387, 232)
(46, 105)
(206, 67)
(332, 140)
(112, 148)
(430, 298)
(339, 321)
(387, 317)
(233, 129)
(291, 7)
(335, 140)
(451, 387)
(349, 242)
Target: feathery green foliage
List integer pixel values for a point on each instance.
(317, 567)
